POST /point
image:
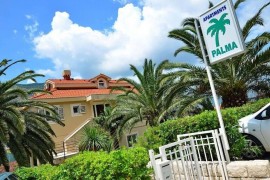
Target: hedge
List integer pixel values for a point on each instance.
(120, 164)
(167, 132)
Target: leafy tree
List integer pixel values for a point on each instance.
(110, 123)
(23, 130)
(94, 138)
(233, 78)
(146, 100)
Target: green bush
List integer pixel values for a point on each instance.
(120, 164)
(43, 172)
(167, 132)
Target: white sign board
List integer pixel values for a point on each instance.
(221, 32)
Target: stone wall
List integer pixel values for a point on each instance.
(237, 170)
(257, 169)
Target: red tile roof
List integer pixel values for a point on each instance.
(74, 93)
(62, 88)
(80, 81)
(63, 81)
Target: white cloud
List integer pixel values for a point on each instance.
(29, 81)
(77, 77)
(134, 78)
(28, 16)
(121, 1)
(46, 72)
(138, 33)
(32, 28)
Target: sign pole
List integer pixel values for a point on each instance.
(222, 128)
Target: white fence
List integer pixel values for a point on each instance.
(194, 156)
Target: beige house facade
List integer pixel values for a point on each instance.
(78, 101)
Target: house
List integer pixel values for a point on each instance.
(78, 101)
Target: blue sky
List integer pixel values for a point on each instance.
(91, 37)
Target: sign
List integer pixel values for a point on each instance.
(221, 32)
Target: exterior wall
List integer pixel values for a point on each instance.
(139, 129)
(71, 122)
(85, 92)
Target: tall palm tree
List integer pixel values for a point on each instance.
(146, 101)
(218, 25)
(233, 78)
(23, 130)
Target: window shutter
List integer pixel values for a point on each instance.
(41, 111)
(61, 112)
(82, 109)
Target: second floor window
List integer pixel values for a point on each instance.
(101, 84)
(99, 109)
(59, 110)
(77, 109)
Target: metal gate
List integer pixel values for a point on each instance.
(194, 156)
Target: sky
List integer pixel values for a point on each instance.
(90, 37)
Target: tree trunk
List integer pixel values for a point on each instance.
(115, 139)
(116, 143)
(234, 97)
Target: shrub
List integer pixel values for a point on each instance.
(120, 164)
(43, 172)
(167, 132)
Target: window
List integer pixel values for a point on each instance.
(99, 109)
(41, 111)
(101, 84)
(131, 139)
(77, 109)
(45, 113)
(48, 86)
(60, 111)
(264, 115)
(82, 109)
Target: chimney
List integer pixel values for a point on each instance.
(67, 74)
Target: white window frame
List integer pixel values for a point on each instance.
(72, 110)
(95, 108)
(81, 109)
(103, 82)
(135, 133)
(40, 110)
(62, 117)
(43, 111)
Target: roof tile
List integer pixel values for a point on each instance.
(74, 93)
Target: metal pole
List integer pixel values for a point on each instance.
(223, 132)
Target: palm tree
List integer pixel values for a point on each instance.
(22, 130)
(233, 78)
(146, 100)
(219, 25)
(94, 138)
(110, 123)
